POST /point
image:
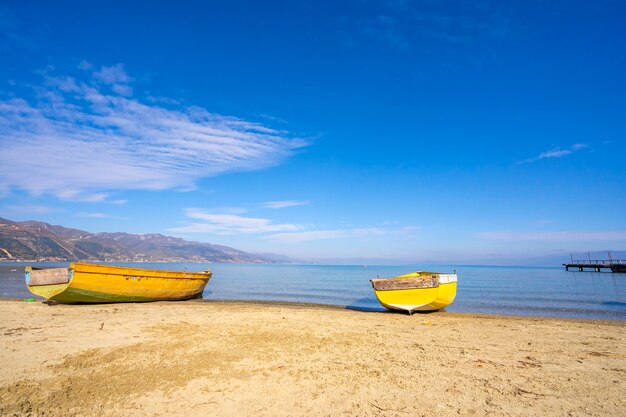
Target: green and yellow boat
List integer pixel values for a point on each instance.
(94, 283)
(416, 291)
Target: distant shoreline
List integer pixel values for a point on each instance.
(410, 265)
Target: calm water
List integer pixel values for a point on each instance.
(499, 290)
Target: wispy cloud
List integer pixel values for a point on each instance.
(284, 204)
(27, 209)
(82, 136)
(99, 216)
(94, 215)
(556, 236)
(116, 77)
(229, 224)
(555, 153)
(310, 235)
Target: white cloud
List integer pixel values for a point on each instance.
(94, 215)
(228, 224)
(327, 234)
(283, 204)
(84, 65)
(76, 140)
(114, 74)
(27, 209)
(555, 153)
(556, 236)
(309, 235)
(369, 231)
(99, 216)
(122, 89)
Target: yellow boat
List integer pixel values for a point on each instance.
(417, 291)
(92, 283)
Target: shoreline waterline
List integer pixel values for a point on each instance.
(516, 291)
(295, 305)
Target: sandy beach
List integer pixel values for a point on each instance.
(243, 358)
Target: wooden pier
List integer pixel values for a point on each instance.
(597, 265)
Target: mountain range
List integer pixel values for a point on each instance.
(39, 241)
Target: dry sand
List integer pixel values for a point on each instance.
(242, 359)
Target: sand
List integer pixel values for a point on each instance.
(201, 358)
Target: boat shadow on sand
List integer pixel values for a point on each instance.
(365, 305)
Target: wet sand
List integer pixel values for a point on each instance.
(202, 358)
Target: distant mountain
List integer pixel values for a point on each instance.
(280, 259)
(33, 240)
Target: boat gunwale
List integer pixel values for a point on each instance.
(416, 288)
(116, 270)
(424, 276)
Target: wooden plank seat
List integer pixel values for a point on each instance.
(383, 284)
(49, 276)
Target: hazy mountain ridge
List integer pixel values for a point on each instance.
(33, 240)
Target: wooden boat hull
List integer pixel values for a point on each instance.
(92, 283)
(417, 291)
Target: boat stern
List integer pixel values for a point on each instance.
(47, 283)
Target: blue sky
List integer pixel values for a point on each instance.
(409, 131)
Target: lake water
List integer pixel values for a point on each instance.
(498, 290)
